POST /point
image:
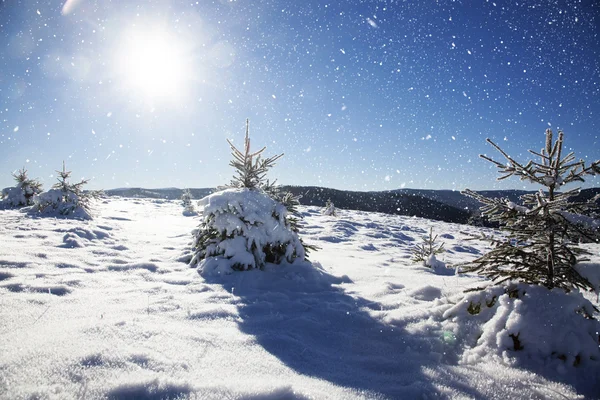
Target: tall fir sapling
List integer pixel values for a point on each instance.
(23, 193)
(543, 231)
(249, 223)
(250, 168)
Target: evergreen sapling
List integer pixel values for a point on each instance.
(249, 223)
(186, 202)
(329, 208)
(543, 231)
(429, 248)
(23, 193)
(66, 198)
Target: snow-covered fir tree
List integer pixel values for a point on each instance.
(329, 208)
(248, 224)
(186, 201)
(23, 193)
(543, 231)
(66, 198)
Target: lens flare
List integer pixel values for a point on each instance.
(154, 64)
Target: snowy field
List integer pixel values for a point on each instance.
(109, 308)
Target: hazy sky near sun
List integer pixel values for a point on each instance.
(362, 95)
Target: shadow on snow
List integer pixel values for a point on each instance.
(302, 315)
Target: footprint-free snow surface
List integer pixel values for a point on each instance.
(109, 308)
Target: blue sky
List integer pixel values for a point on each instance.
(361, 95)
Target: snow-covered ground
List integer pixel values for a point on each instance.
(109, 309)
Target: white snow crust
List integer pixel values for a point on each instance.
(109, 308)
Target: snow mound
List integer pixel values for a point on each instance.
(426, 293)
(15, 197)
(189, 213)
(523, 324)
(79, 237)
(56, 203)
(438, 267)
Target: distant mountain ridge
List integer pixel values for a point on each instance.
(443, 205)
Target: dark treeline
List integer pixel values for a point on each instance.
(442, 205)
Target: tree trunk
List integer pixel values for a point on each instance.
(550, 262)
(550, 251)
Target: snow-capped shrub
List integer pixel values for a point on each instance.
(521, 322)
(66, 199)
(247, 225)
(329, 208)
(22, 194)
(543, 232)
(244, 229)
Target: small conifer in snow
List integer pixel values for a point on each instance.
(66, 198)
(426, 251)
(543, 231)
(329, 208)
(247, 225)
(23, 193)
(186, 201)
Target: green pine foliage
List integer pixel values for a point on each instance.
(543, 232)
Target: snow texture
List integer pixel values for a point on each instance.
(109, 308)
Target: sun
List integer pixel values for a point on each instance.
(154, 64)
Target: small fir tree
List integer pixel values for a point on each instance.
(23, 193)
(249, 223)
(329, 208)
(66, 198)
(186, 202)
(542, 232)
(429, 248)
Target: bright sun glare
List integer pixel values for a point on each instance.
(154, 64)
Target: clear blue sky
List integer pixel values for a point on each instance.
(362, 95)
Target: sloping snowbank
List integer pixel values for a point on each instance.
(525, 323)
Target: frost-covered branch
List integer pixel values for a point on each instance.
(250, 168)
